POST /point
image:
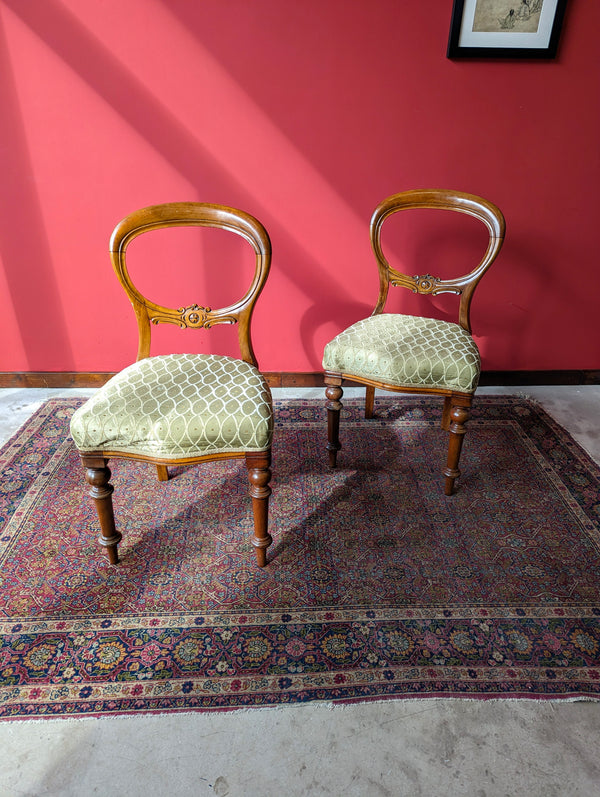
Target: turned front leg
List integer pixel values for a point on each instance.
(259, 476)
(334, 393)
(458, 415)
(97, 475)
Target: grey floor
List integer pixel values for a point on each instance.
(413, 747)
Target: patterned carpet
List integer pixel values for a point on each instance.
(378, 585)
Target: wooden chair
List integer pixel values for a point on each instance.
(412, 354)
(182, 408)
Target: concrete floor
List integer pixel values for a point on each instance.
(413, 747)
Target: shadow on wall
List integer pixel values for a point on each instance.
(197, 156)
(24, 245)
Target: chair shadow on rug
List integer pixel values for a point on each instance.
(194, 519)
(182, 409)
(349, 497)
(414, 354)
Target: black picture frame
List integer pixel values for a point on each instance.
(506, 41)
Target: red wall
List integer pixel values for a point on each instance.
(305, 113)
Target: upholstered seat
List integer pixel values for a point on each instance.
(415, 354)
(406, 350)
(178, 409)
(176, 406)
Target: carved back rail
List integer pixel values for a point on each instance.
(465, 285)
(182, 214)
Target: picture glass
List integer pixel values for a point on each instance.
(507, 23)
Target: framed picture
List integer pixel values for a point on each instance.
(505, 28)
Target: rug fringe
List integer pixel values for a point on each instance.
(553, 699)
(328, 705)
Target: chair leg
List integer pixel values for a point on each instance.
(458, 415)
(163, 473)
(369, 401)
(97, 476)
(334, 393)
(259, 476)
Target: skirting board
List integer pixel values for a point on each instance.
(72, 379)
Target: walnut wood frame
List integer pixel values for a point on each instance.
(181, 214)
(258, 463)
(457, 405)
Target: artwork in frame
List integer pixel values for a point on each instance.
(505, 28)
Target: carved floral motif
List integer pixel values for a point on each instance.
(193, 316)
(425, 283)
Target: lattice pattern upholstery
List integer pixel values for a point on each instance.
(177, 406)
(404, 350)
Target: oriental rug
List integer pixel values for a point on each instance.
(379, 586)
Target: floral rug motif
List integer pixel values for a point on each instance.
(378, 584)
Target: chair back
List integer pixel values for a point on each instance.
(182, 214)
(465, 285)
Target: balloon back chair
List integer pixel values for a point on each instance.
(413, 354)
(182, 408)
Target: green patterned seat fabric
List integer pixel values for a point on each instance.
(177, 406)
(406, 351)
